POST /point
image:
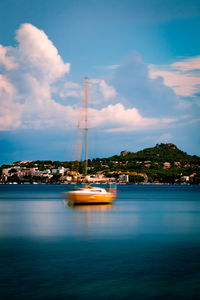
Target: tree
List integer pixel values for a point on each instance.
(136, 178)
(12, 171)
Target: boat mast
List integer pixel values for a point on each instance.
(86, 123)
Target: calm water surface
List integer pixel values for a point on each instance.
(145, 246)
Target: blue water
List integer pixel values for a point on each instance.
(145, 246)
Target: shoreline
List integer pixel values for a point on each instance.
(104, 183)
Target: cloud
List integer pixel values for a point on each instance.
(38, 55)
(110, 67)
(30, 70)
(118, 118)
(70, 89)
(5, 60)
(100, 92)
(10, 115)
(107, 91)
(188, 64)
(35, 91)
(181, 76)
(133, 83)
(31, 84)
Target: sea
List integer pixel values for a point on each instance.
(144, 246)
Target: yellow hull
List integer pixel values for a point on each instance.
(90, 198)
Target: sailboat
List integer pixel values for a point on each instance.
(90, 194)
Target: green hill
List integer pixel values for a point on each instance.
(161, 153)
(164, 163)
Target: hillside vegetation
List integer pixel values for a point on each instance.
(164, 163)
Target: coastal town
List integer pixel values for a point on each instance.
(17, 174)
(146, 166)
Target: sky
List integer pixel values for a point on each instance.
(142, 58)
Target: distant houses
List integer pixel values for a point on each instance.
(164, 163)
(123, 178)
(50, 174)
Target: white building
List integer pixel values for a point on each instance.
(5, 171)
(61, 170)
(124, 178)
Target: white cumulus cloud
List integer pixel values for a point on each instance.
(34, 90)
(38, 54)
(6, 60)
(118, 118)
(100, 91)
(10, 114)
(107, 91)
(30, 70)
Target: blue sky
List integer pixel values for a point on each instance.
(143, 63)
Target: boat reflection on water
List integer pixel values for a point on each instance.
(93, 207)
(91, 218)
